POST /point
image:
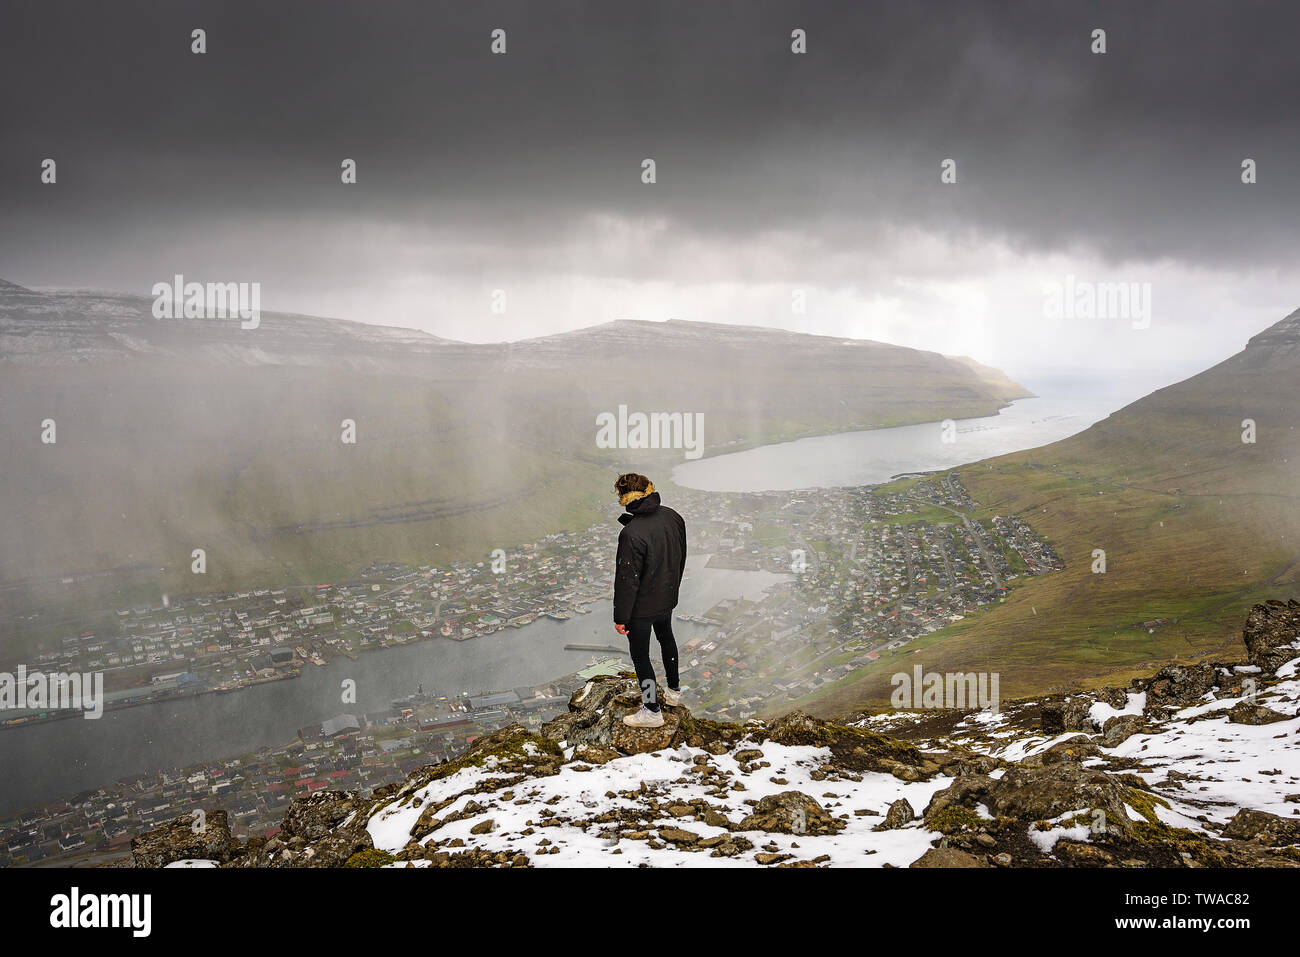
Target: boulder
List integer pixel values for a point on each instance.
(1263, 828)
(1071, 749)
(184, 838)
(1120, 728)
(1076, 714)
(1243, 712)
(1052, 719)
(320, 830)
(1034, 794)
(948, 857)
(1179, 685)
(318, 814)
(593, 754)
(899, 814)
(966, 791)
(1082, 854)
(790, 812)
(595, 718)
(852, 749)
(1271, 633)
(1115, 697)
(677, 835)
(799, 729)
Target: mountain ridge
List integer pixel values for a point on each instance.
(133, 313)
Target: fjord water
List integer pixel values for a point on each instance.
(876, 456)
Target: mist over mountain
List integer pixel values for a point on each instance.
(172, 435)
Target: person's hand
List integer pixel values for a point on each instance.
(621, 629)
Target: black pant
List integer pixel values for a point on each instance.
(638, 639)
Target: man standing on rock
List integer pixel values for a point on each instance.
(651, 559)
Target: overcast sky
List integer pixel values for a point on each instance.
(776, 171)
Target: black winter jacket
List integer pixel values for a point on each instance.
(651, 559)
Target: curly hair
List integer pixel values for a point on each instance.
(630, 482)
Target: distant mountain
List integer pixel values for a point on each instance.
(67, 328)
(994, 377)
(1193, 495)
(181, 434)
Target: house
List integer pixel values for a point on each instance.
(482, 702)
(339, 724)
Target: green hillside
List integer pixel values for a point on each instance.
(1196, 525)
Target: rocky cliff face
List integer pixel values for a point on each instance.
(1283, 336)
(1195, 766)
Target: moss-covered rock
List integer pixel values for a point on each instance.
(954, 819)
(371, 857)
(790, 812)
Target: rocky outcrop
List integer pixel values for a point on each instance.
(1033, 794)
(1270, 634)
(1255, 714)
(325, 829)
(1075, 803)
(1178, 685)
(185, 838)
(1263, 828)
(857, 750)
(900, 814)
(595, 718)
(945, 857)
(790, 812)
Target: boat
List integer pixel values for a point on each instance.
(557, 615)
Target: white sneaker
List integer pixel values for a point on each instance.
(644, 718)
(670, 697)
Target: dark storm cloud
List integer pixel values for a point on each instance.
(1131, 154)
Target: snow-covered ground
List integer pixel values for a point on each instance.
(1227, 766)
(1196, 760)
(577, 795)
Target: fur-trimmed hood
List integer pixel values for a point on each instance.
(645, 503)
